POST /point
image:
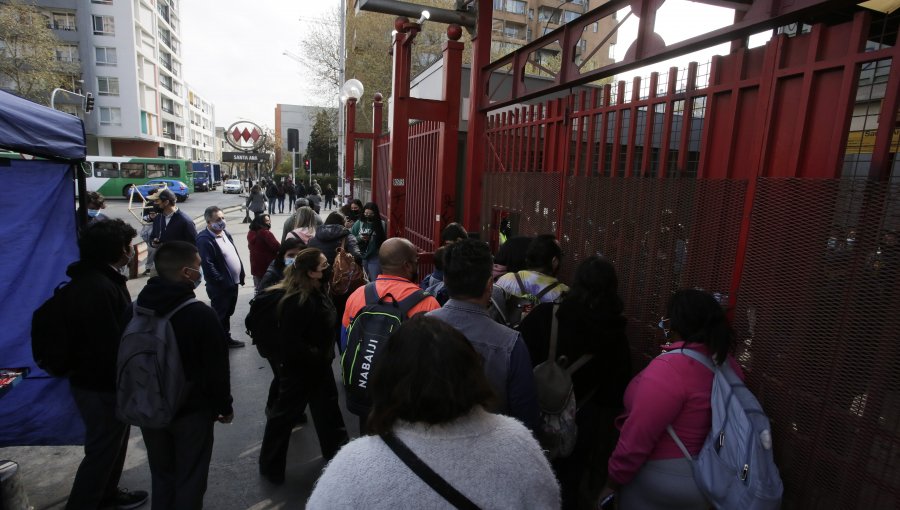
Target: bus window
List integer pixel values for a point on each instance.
(108, 170)
(155, 170)
(174, 171)
(133, 170)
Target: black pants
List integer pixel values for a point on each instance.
(223, 301)
(313, 383)
(105, 444)
(179, 458)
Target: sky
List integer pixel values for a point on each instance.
(233, 51)
(233, 54)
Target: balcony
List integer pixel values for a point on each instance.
(55, 25)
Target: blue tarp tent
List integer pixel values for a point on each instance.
(38, 235)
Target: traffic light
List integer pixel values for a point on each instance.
(306, 164)
(88, 103)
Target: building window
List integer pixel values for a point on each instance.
(107, 86)
(63, 21)
(106, 56)
(515, 6)
(569, 16)
(104, 25)
(548, 14)
(110, 116)
(514, 30)
(167, 105)
(498, 5)
(67, 53)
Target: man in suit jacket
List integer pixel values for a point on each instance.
(170, 224)
(222, 269)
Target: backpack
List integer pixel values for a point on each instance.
(366, 337)
(517, 307)
(262, 322)
(51, 345)
(557, 430)
(150, 381)
(347, 275)
(735, 468)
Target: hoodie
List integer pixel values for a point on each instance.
(329, 237)
(201, 343)
(96, 316)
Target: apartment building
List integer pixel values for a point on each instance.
(130, 57)
(518, 22)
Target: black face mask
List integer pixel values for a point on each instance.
(354, 215)
(157, 208)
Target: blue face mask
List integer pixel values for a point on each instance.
(196, 283)
(288, 261)
(218, 226)
(92, 213)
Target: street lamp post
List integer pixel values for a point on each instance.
(351, 92)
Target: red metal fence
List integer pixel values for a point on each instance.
(772, 181)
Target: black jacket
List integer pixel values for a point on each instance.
(581, 332)
(201, 343)
(307, 330)
(96, 316)
(273, 275)
(329, 237)
(180, 228)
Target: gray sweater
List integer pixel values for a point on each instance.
(492, 459)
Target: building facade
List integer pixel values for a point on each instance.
(129, 53)
(294, 124)
(518, 22)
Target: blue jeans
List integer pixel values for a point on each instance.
(373, 267)
(271, 205)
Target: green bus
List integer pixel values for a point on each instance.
(113, 176)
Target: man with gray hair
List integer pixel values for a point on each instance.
(222, 269)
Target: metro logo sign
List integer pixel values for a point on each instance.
(244, 136)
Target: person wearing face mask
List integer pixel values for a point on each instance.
(263, 248)
(171, 223)
(369, 231)
(179, 453)
(222, 269)
(306, 321)
(96, 316)
(285, 257)
(95, 203)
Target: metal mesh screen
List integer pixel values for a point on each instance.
(646, 228)
(530, 198)
(817, 318)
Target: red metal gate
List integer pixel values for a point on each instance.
(773, 181)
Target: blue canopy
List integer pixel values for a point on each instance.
(39, 238)
(30, 128)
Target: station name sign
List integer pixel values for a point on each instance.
(245, 157)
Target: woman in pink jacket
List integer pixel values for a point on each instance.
(647, 471)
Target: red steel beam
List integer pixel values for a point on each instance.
(647, 49)
(475, 140)
(445, 180)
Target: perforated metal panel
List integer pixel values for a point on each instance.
(817, 318)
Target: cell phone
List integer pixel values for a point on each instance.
(608, 503)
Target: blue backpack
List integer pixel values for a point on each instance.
(735, 469)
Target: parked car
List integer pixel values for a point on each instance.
(232, 186)
(179, 188)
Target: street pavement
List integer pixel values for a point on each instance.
(234, 481)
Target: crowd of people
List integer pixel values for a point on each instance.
(454, 388)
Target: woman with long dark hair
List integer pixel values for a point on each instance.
(590, 322)
(369, 231)
(428, 393)
(647, 470)
(306, 327)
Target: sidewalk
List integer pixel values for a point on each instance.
(234, 481)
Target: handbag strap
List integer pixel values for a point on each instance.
(434, 480)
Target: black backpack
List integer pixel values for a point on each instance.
(51, 345)
(262, 322)
(366, 338)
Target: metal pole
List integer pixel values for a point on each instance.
(349, 153)
(340, 127)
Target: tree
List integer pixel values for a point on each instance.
(322, 146)
(28, 64)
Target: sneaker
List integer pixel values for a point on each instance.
(234, 344)
(125, 499)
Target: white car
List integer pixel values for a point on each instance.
(232, 186)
